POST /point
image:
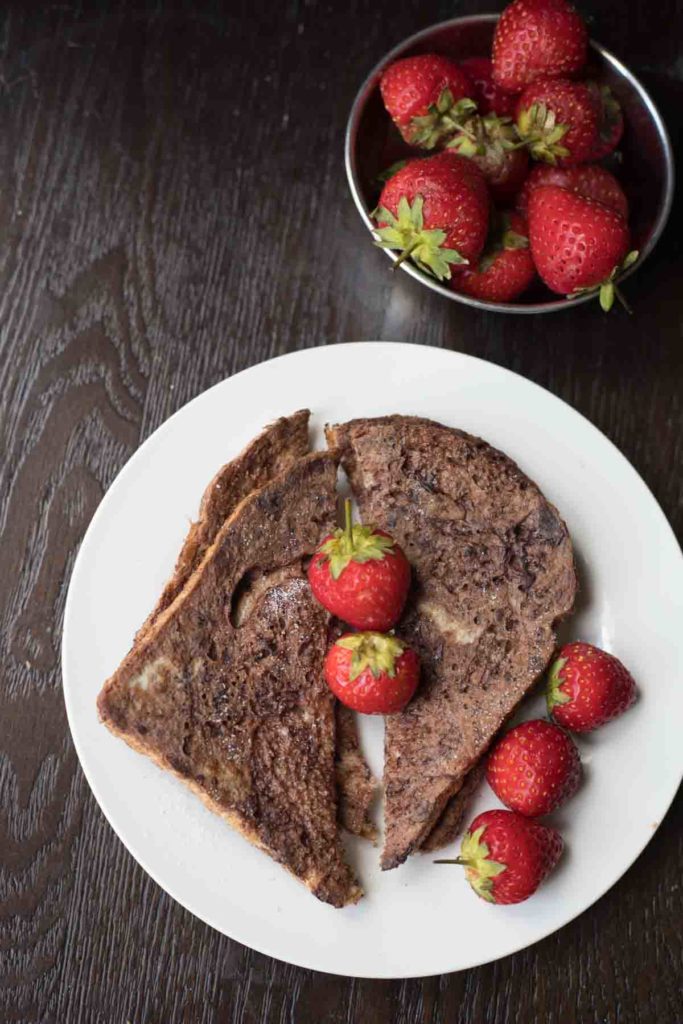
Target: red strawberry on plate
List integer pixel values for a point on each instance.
(360, 575)
(506, 269)
(534, 768)
(506, 856)
(558, 120)
(610, 121)
(435, 211)
(373, 673)
(537, 39)
(488, 96)
(425, 97)
(589, 180)
(492, 143)
(588, 687)
(578, 244)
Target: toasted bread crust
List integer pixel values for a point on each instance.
(241, 712)
(493, 571)
(452, 818)
(273, 451)
(355, 783)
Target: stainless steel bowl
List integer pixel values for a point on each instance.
(646, 170)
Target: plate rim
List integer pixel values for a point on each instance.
(131, 845)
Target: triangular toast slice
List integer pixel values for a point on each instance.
(493, 572)
(225, 688)
(270, 453)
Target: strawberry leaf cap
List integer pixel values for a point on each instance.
(354, 543)
(377, 651)
(391, 170)
(513, 240)
(407, 233)
(610, 110)
(554, 695)
(479, 869)
(441, 120)
(607, 289)
(487, 135)
(501, 237)
(611, 113)
(538, 127)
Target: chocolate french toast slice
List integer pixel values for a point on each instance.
(274, 450)
(493, 572)
(225, 688)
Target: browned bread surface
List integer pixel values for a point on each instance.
(275, 449)
(355, 783)
(452, 818)
(229, 695)
(493, 571)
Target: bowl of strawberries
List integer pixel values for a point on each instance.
(511, 163)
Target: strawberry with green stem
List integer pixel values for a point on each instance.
(493, 144)
(579, 246)
(588, 687)
(435, 212)
(426, 97)
(360, 574)
(558, 120)
(374, 673)
(506, 268)
(506, 856)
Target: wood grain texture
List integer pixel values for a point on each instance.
(173, 208)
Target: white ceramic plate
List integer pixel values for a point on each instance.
(420, 919)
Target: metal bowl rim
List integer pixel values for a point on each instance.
(507, 307)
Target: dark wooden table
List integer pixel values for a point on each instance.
(173, 208)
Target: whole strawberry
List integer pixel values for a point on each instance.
(493, 144)
(610, 121)
(537, 39)
(588, 687)
(360, 575)
(372, 672)
(426, 96)
(590, 180)
(488, 96)
(534, 768)
(578, 244)
(558, 120)
(506, 856)
(435, 212)
(506, 268)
